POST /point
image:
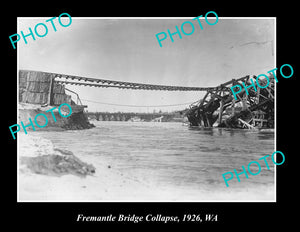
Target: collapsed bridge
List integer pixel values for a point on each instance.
(253, 108)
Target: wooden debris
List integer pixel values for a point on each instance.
(219, 104)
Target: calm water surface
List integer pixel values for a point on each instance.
(172, 155)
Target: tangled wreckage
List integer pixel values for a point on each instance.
(248, 111)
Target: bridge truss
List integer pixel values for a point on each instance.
(218, 104)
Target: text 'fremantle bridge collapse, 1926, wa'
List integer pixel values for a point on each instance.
(250, 108)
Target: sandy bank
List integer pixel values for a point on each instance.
(41, 181)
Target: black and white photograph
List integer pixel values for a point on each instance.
(147, 109)
(163, 114)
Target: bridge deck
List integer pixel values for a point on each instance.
(104, 83)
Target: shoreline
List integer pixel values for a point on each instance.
(105, 184)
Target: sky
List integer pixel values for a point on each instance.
(127, 50)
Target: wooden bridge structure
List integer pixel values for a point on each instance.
(103, 83)
(217, 106)
(255, 109)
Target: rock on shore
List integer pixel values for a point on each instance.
(41, 157)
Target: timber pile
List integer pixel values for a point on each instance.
(59, 95)
(37, 87)
(40, 88)
(34, 88)
(22, 84)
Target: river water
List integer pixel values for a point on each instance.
(177, 158)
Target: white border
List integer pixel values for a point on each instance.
(93, 201)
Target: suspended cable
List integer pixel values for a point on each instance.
(113, 104)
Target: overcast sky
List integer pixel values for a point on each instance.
(127, 50)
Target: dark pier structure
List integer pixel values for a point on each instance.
(220, 108)
(38, 91)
